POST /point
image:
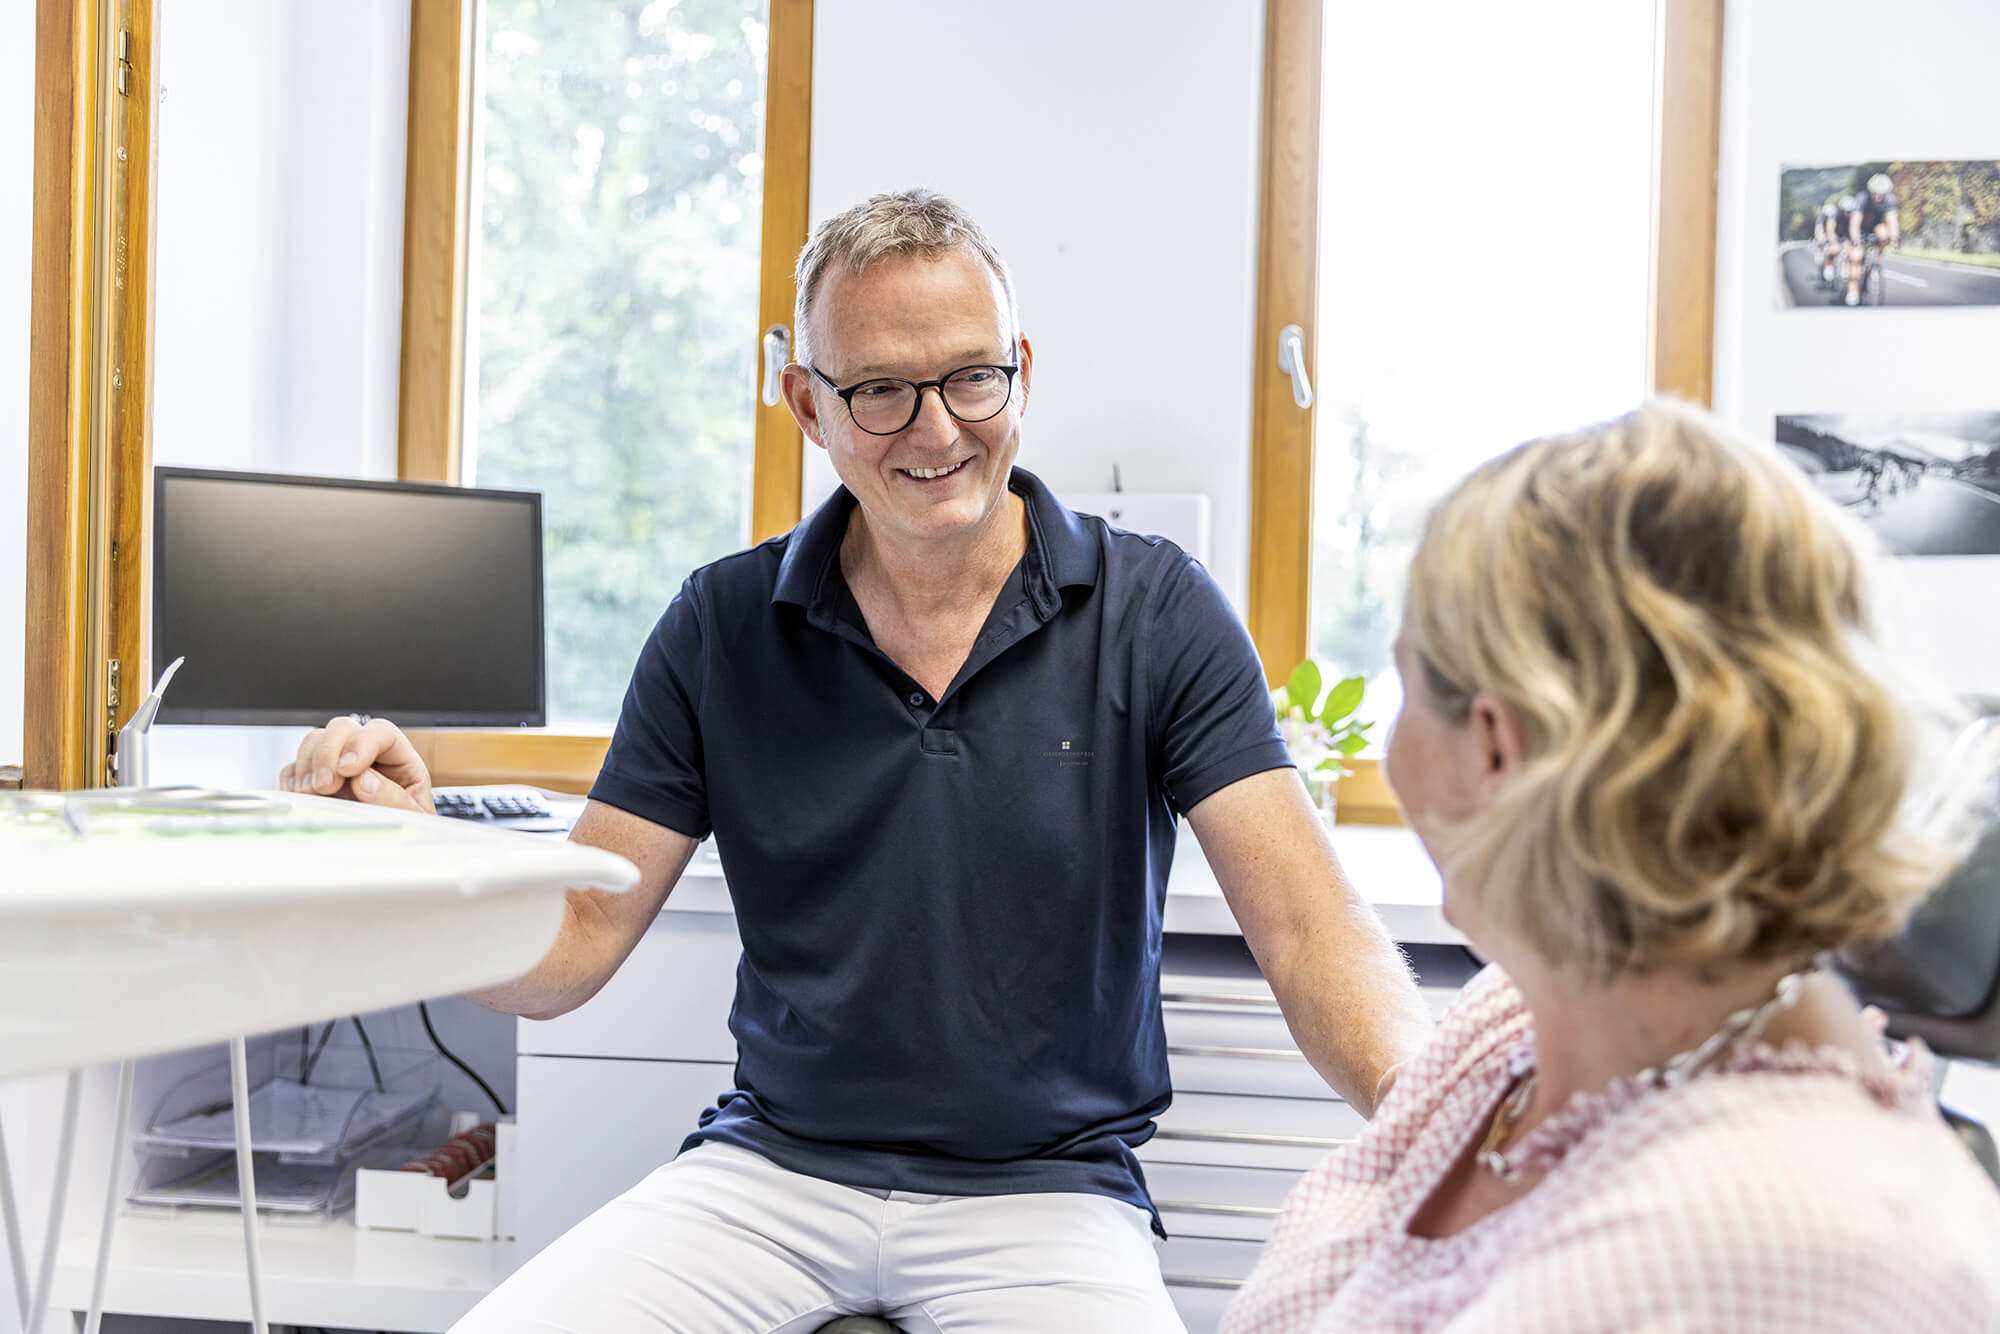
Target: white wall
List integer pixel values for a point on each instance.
(17, 155)
(1931, 95)
(1122, 191)
(278, 325)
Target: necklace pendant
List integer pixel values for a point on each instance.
(1496, 1162)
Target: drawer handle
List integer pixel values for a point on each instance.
(1221, 1210)
(1208, 1000)
(1252, 1137)
(1239, 1053)
(1191, 1281)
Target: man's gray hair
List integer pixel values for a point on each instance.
(908, 222)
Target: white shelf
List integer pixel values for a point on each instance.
(190, 1264)
(1387, 864)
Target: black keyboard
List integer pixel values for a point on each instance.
(502, 807)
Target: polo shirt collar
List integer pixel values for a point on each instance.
(1061, 551)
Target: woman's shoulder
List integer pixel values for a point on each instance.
(1776, 1191)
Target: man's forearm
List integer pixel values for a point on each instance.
(1349, 999)
(568, 975)
(1345, 988)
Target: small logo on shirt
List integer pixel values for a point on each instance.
(1068, 753)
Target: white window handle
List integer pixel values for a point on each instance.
(1292, 362)
(777, 351)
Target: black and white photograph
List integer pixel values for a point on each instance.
(1889, 234)
(1927, 484)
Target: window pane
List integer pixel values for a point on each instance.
(1485, 219)
(17, 169)
(614, 329)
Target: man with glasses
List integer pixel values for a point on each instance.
(942, 732)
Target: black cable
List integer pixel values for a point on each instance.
(305, 1075)
(369, 1047)
(424, 1010)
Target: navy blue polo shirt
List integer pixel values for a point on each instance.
(950, 908)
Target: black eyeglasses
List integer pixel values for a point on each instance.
(887, 405)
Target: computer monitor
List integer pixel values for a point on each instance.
(296, 599)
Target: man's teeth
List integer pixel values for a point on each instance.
(934, 472)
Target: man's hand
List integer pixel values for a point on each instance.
(373, 763)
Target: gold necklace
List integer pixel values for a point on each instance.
(1740, 1026)
(1491, 1154)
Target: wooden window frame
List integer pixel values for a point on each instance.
(90, 362)
(1681, 318)
(437, 216)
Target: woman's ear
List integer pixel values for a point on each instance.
(1501, 746)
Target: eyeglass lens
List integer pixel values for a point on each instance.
(971, 394)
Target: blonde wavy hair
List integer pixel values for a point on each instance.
(1718, 765)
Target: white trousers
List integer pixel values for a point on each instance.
(722, 1241)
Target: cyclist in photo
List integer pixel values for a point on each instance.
(1874, 219)
(1843, 211)
(1826, 235)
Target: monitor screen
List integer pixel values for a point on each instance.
(296, 599)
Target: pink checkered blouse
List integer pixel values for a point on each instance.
(1781, 1191)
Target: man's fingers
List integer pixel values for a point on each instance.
(381, 745)
(344, 749)
(305, 766)
(371, 788)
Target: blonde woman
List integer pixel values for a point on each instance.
(1644, 740)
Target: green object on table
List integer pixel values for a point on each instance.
(1311, 712)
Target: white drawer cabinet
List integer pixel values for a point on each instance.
(1234, 1130)
(1232, 1203)
(668, 1002)
(590, 1129)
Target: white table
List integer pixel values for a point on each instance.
(127, 941)
(149, 933)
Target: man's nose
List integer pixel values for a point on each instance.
(933, 418)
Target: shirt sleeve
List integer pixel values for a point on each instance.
(1214, 722)
(654, 768)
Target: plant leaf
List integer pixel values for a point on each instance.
(1343, 699)
(1304, 686)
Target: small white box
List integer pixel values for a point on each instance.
(414, 1202)
(1182, 517)
(504, 1136)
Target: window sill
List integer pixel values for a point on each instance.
(557, 761)
(1363, 796)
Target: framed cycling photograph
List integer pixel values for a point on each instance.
(1927, 484)
(1864, 234)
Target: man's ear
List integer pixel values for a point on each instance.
(1496, 733)
(1027, 352)
(795, 385)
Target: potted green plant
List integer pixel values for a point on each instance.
(1318, 724)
